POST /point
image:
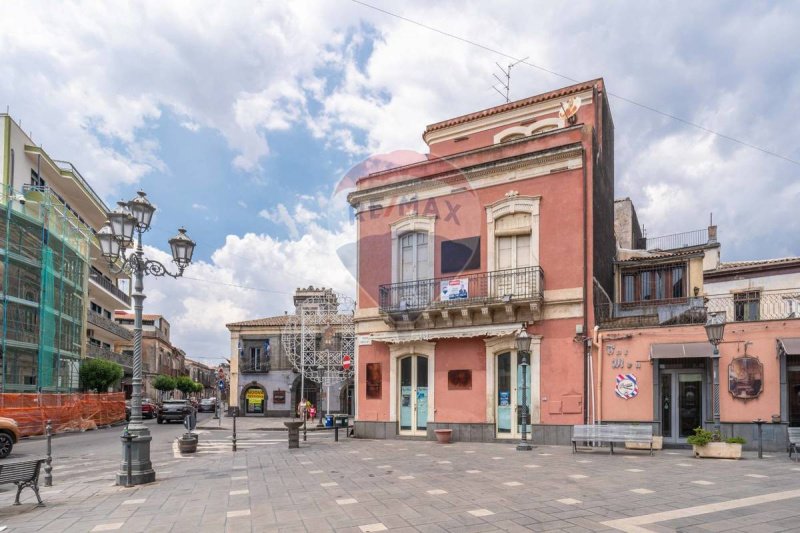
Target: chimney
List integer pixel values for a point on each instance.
(712, 233)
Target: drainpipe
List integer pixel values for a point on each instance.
(598, 340)
(585, 288)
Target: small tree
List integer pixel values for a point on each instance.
(185, 384)
(164, 383)
(198, 387)
(99, 374)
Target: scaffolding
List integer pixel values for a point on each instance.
(44, 256)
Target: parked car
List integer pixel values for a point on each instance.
(174, 410)
(148, 409)
(9, 435)
(207, 405)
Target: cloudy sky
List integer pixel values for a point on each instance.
(239, 119)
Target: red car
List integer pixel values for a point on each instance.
(148, 409)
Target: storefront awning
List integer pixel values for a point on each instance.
(681, 350)
(790, 346)
(493, 330)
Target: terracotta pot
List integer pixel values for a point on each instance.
(443, 436)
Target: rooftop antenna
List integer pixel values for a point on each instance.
(506, 84)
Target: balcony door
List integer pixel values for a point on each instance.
(414, 266)
(512, 252)
(413, 397)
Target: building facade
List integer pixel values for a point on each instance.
(653, 363)
(507, 225)
(203, 374)
(264, 380)
(57, 291)
(159, 356)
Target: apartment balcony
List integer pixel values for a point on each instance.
(247, 366)
(753, 306)
(98, 352)
(109, 287)
(109, 325)
(500, 296)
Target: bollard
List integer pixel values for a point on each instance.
(759, 422)
(335, 433)
(234, 431)
(48, 466)
(128, 438)
(305, 438)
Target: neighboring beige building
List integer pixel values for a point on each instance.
(159, 356)
(202, 373)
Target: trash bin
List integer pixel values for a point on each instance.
(328, 421)
(342, 419)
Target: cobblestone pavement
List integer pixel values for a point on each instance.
(403, 485)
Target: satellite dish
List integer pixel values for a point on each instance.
(569, 109)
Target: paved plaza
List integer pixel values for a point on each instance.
(409, 485)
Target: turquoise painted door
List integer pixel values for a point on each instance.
(503, 400)
(413, 398)
(508, 403)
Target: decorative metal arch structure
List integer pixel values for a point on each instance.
(318, 336)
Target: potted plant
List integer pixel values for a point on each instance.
(443, 436)
(187, 443)
(710, 444)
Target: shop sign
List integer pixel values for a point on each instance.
(454, 289)
(745, 377)
(254, 395)
(504, 398)
(279, 396)
(627, 386)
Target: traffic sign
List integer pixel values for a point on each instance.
(346, 362)
(221, 384)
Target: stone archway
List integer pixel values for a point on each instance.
(347, 397)
(253, 400)
(311, 390)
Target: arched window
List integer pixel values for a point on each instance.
(512, 137)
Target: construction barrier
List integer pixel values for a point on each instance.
(66, 412)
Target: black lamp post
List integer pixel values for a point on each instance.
(114, 237)
(715, 329)
(523, 350)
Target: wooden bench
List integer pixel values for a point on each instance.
(612, 433)
(22, 474)
(794, 440)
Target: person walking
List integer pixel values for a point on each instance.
(301, 409)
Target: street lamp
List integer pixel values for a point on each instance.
(715, 329)
(114, 237)
(523, 350)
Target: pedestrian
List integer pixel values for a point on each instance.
(301, 409)
(312, 413)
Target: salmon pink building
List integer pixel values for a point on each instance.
(506, 225)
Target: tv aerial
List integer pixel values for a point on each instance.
(506, 85)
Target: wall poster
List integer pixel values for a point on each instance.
(374, 380)
(745, 377)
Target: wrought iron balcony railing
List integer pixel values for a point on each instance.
(98, 352)
(468, 290)
(676, 240)
(247, 366)
(745, 307)
(109, 325)
(110, 287)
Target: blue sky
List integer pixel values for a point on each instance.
(239, 120)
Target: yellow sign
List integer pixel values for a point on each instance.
(254, 395)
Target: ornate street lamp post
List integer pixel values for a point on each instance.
(523, 351)
(114, 237)
(715, 329)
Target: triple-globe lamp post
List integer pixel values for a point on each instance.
(115, 237)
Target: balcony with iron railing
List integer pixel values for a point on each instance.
(250, 366)
(109, 325)
(756, 306)
(98, 352)
(106, 284)
(510, 290)
(675, 241)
